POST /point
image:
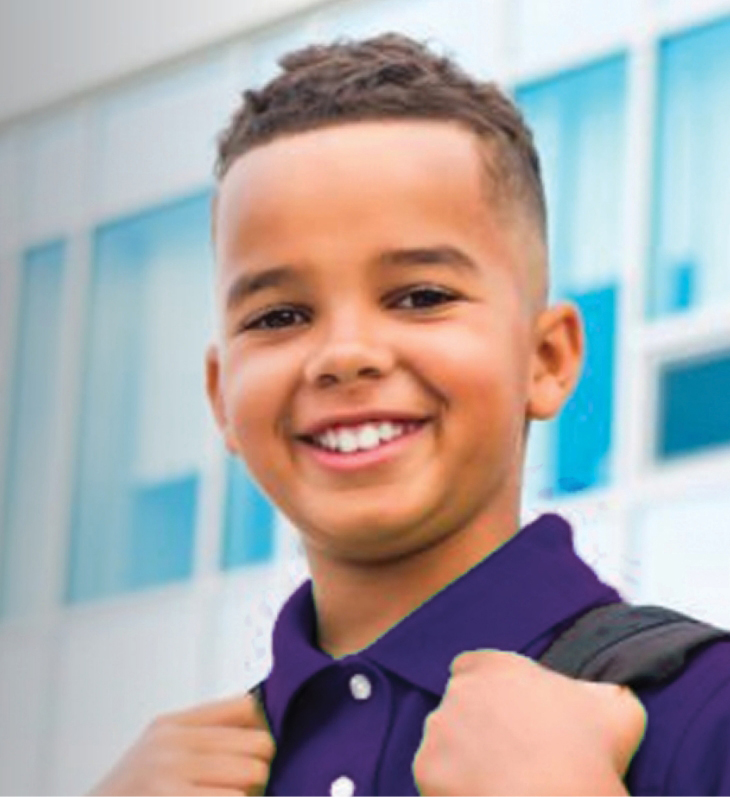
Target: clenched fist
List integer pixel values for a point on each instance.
(508, 725)
(218, 748)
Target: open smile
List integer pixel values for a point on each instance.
(358, 445)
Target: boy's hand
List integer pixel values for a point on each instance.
(508, 725)
(223, 747)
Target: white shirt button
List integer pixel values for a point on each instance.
(360, 687)
(342, 787)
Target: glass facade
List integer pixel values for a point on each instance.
(692, 411)
(248, 532)
(579, 123)
(113, 478)
(34, 397)
(143, 412)
(691, 237)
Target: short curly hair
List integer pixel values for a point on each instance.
(390, 77)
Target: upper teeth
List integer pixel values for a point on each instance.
(360, 438)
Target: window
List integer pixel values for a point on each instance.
(249, 520)
(143, 411)
(692, 412)
(578, 121)
(29, 454)
(691, 237)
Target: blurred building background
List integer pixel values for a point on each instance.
(140, 569)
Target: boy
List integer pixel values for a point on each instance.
(385, 342)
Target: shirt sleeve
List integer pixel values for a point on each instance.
(702, 761)
(686, 746)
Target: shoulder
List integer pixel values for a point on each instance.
(686, 748)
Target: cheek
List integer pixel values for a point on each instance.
(257, 385)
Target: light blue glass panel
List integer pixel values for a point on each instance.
(585, 424)
(693, 399)
(143, 414)
(578, 119)
(691, 236)
(249, 520)
(34, 397)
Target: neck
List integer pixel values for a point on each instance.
(357, 602)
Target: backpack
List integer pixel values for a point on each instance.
(629, 645)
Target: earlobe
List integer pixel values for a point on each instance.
(557, 359)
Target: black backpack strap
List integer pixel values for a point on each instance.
(258, 693)
(631, 645)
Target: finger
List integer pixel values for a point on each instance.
(208, 790)
(624, 717)
(229, 741)
(241, 710)
(228, 771)
(491, 660)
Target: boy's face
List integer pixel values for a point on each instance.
(379, 351)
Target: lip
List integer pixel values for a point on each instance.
(337, 461)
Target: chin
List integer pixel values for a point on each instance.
(372, 537)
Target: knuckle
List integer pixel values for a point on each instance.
(266, 746)
(257, 772)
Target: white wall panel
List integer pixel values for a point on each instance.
(548, 31)
(53, 187)
(241, 618)
(471, 30)
(51, 50)
(118, 667)
(682, 549)
(23, 710)
(158, 139)
(9, 186)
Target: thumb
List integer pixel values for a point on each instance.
(623, 717)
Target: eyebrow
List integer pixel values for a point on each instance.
(425, 256)
(247, 285)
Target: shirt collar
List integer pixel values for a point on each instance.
(532, 584)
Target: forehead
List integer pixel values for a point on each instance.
(354, 164)
(344, 189)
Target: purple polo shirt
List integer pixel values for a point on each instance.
(353, 725)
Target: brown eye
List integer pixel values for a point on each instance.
(421, 298)
(278, 318)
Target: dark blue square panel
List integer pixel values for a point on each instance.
(692, 412)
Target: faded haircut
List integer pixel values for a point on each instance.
(390, 77)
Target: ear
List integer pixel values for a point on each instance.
(556, 360)
(214, 387)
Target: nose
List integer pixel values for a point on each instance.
(348, 355)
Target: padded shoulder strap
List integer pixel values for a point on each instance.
(632, 645)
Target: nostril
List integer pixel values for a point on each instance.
(326, 380)
(369, 373)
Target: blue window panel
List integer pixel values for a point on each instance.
(692, 412)
(31, 428)
(162, 531)
(579, 122)
(692, 172)
(584, 426)
(249, 520)
(143, 412)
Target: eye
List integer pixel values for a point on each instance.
(276, 318)
(423, 297)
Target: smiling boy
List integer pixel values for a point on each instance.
(385, 342)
